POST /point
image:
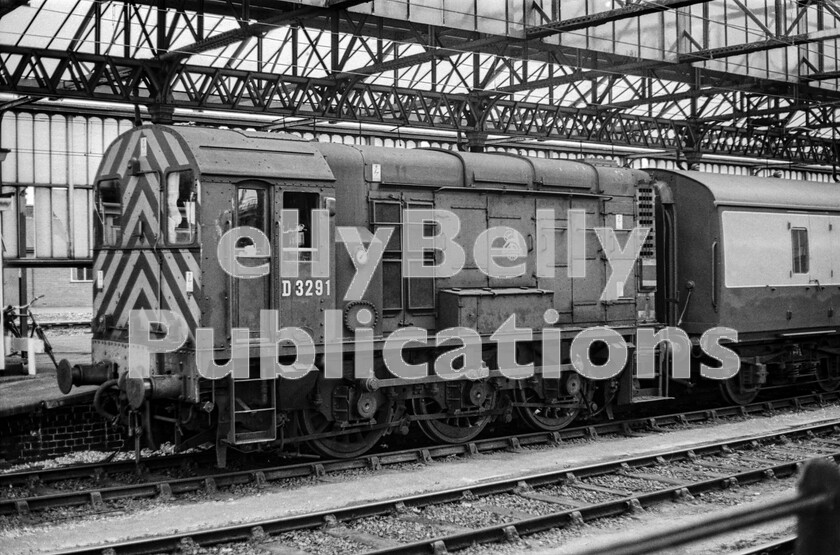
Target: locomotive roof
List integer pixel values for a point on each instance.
(436, 167)
(254, 154)
(767, 192)
(279, 155)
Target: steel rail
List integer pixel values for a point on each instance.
(788, 506)
(168, 487)
(778, 547)
(505, 531)
(97, 470)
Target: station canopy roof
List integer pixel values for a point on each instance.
(683, 78)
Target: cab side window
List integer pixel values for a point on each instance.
(109, 213)
(302, 238)
(181, 208)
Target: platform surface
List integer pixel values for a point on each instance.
(20, 394)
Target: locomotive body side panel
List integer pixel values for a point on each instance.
(217, 218)
(351, 170)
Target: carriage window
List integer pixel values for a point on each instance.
(304, 203)
(799, 237)
(181, 202)
(109, 212)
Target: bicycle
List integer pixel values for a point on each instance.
(34, 329)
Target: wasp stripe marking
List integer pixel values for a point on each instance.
(164, 148)
(98, 264)
(137, 287)
(176, 149)
(146, 279)
(157, 153)
(173, 288)
(117, 267)
(143, 280)
(104, 262)
(122, 155)
(183, 261)
(141, 299)
(108, 164)
(128, 268)
(139, 198)
(114, 287)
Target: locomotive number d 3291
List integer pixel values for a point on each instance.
(305, 288)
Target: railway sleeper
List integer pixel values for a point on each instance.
(22, 507)
(258, 534)
(360, 537)
(96, 502)
(511, 534)
(503, 511)
(654, 478)
(164, 492)
(555, 499)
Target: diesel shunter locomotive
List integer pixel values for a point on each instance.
(757, 256)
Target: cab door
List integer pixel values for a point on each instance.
(252, 411)
(249, 296)
(303, 237)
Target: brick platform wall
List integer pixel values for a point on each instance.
(58, 431)
(53, 283)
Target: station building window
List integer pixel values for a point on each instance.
(109, 212)
(799, 238)
(181, 208)
(81, 274)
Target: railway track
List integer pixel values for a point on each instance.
(146, 481)
(545, 501)
(65, 324)
(782, 546)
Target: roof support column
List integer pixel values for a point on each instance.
(476, 141)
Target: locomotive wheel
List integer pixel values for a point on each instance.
(357, 442)
(546, 418)
(735, 394)
(452, 428)
(828, 375)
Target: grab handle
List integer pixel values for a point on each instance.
(714, 275)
